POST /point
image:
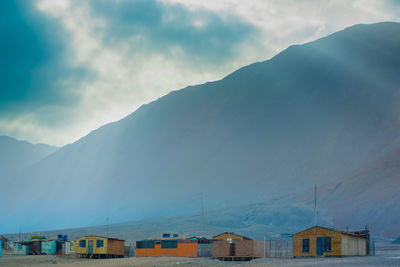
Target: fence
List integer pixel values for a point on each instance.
(279, 247)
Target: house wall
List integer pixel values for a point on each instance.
(18, 249)
(205, 250)
(101, 250)
(184, 249)
(249, 248)
(336, 242)
(221, 249)
(243, 248)
(353, 246)
(49, 247)
(115, 247)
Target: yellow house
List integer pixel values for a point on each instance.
(99, 247)
(321, 241)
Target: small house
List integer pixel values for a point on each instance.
(99, 247)
(234, 247)
(174, 247)
(321, 241)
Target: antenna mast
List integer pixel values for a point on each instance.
(107, 226)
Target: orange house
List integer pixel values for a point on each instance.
(174, 247)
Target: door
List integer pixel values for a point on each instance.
(232, 249)
(320, 246)
(90, 247)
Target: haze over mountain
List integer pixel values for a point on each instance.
(368, 195)
(16, 155)
(312, 113)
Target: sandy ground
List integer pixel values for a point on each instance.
(388, 256)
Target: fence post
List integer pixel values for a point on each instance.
(264, 249)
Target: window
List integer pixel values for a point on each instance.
(169, 243)
(306, 245)
(173, 244)
(327, 244)
(145, 244)
(150, 244)
(165, 244)
(100, 243)
(82, 243)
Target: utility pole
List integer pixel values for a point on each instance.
(202, 214)
(315, 209)
(107, 227)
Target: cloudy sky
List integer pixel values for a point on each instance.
(69, 67)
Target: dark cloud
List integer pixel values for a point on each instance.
(33, 61)
(156, 27)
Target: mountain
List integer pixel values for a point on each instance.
(368, 195)
(310, 114)
(17, 155)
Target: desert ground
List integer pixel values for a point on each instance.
(387, 255)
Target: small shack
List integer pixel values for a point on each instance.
(234, 247)
(34, 246)
(51, 247)
(68, 247)
(99, 247)
(174, 247)
(320, 241)
(5, 242)
(19, 249)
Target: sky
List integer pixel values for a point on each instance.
(69, 67)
